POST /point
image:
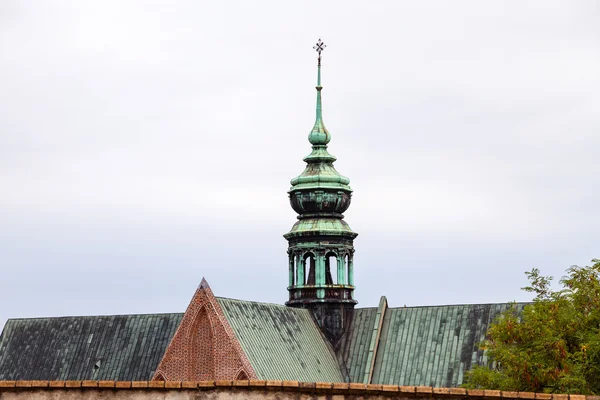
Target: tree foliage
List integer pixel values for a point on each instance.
(550, 345)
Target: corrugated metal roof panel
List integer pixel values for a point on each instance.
(281, 342)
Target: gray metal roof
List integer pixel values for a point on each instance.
(432, 346)
(115, 347)
(281, 342)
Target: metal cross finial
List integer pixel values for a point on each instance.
(319, 47)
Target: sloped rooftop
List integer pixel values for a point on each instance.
(112, 347)
(282, 343)
(420, 346)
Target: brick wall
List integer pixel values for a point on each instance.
(251, 390)
(204, 346)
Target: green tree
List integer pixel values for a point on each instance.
(551, 344)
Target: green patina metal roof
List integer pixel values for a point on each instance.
(320, 176)
(281, 342)
(432, 346)
(355, 345)
(427, 346)
(320, 226)
(112, 347)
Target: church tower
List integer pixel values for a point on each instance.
(321, 249)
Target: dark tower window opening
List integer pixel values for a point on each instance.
(310, 265)
(330, 262)
(292, 262)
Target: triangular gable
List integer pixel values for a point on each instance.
(204, 346)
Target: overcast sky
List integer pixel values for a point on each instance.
(144, 145)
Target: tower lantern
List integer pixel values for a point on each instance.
(321, 249)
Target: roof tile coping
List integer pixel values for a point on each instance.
(321, 387)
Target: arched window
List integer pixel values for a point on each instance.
(241, 376)
(200, 352)
(330, 262)
(159, 377)
(309, 264)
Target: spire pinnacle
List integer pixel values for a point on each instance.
(319, 134)
(319, 47)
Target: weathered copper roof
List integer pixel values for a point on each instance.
(420, 346)
(432, 346)
(355, 346)
(281, 342)
(111, 347)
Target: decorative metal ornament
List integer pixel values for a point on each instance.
(319, 47)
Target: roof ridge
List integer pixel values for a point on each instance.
(257, 302)
(463, 304)
(95, 315)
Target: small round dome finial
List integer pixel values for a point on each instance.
(319, 136)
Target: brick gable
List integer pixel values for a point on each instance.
(204, 346)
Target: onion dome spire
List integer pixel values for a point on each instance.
(319, 134)
(320, 173)
(321, 243)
